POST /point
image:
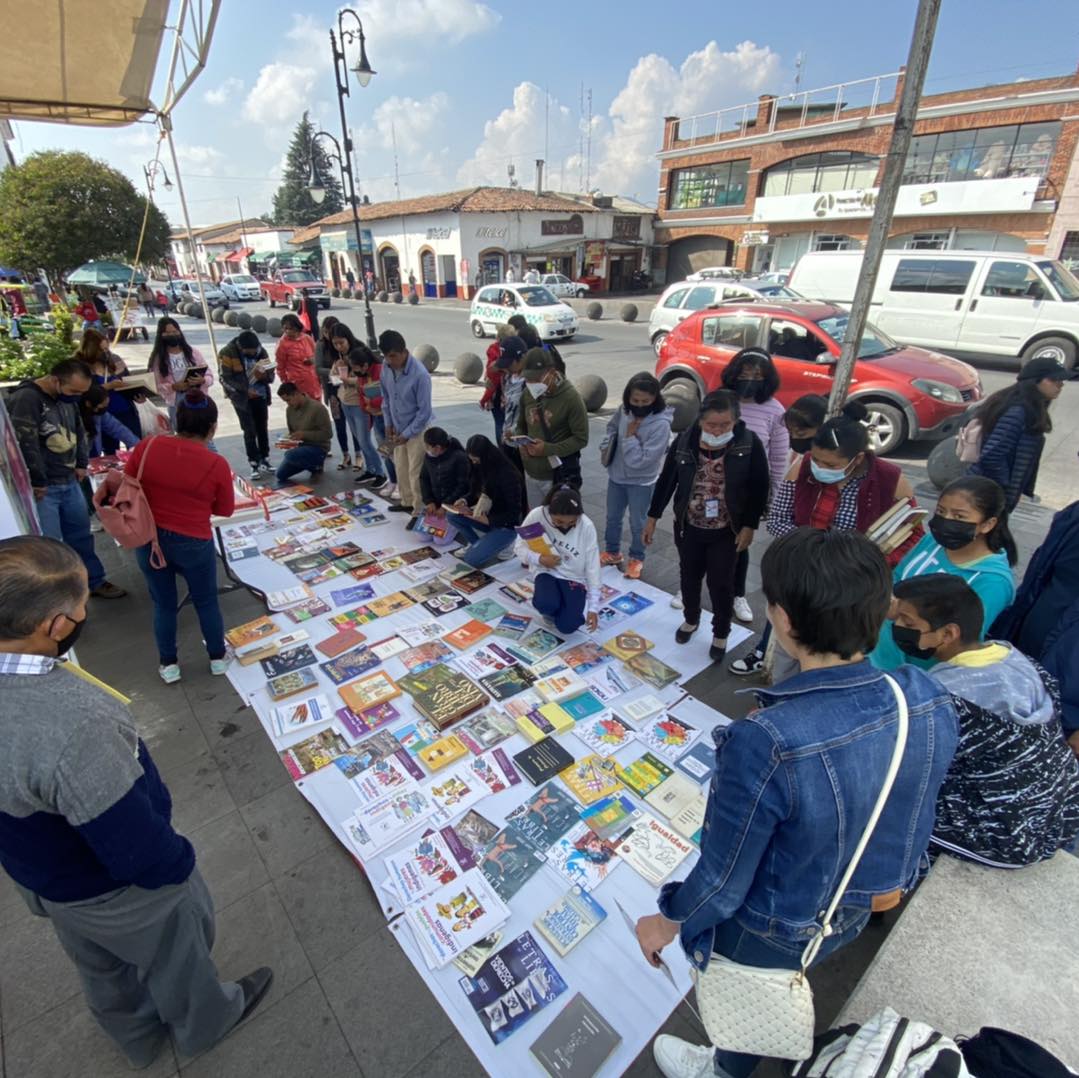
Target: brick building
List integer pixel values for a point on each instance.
(758, 185)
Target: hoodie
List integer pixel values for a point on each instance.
(578, 549)
(50, 433)
(446, 478)
(637, 461)
(558, 418)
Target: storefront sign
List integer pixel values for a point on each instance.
(594, 252)
(572, 226)
(626, 228)
(489, 232)
(438, 233)
(346, 241)
(755, 239)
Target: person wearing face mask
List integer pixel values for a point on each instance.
(632, 452)
(717, 473)
(341, 344)
(108, 371)
(86, 830)
(445, 476)
(360, 396)
(552, 427)
(327, 365)
(185, 483)
(99, 423)
(567, 585)
(176, 365)
(491, 401)
(1011, 795)
(246, 376)
(309, 434)
(45, 415)
(407, 413)
(509, 362)
(295, 357)
(969, 538)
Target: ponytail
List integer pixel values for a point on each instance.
(846, 434)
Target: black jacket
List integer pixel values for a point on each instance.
(746, 477)
(50, 434)
(446, 478)
(504, 485)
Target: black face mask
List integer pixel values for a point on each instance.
(801, 445)
(952, 534)
(68, 642)
(170, 341)
(906, 640)
(640, 410)
(748, 388)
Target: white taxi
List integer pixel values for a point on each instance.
(494, 304)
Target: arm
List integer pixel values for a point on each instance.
(111, 426)
(779, 448)
(578, 427)
(25, 412)
(647, 446)
(665, 485)
(996, 458)
(758, 485)
(421, 394)
(781, 515)
(224, 503)
(387, 398)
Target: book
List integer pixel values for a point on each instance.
(309, 712)
(631, 603)
(366, 722)
(522, 704)
(368, 691)
(689, 820)
(700, 762)
(475, 831)
(420, 554)
(512, 986)
(485, 660)
(582, 857)
(386, 649)
(569, 920)
(251, 635)
(537, 724)
(424, 656)
(414, 635)
(470, 961)
(535, 537)
(259, 653)
(535, 646)
(512, 626)
(544, 818)
(373, 521)
(577, 1043)
(672, 795)
(654, 671)
(468, 581)
(625, 645)
(486, 610)
(357, 593)
(644, 774)
(341, 641)
(556, 688)
(418, 592)
(388, 775)
(313, 559)
(464, 636)
(418, 573)
(652, 849)
(352, 619)
(494, 770)
(442, 752)
(308, 609)
(485, 730)
(389, 604)
(547, 667)
(452, 918)
(667, 736)
(280, 688)
(604, 734)
(445, 603)
(428, 863)
(520, 591)
(457, 790)
(584, 657)
(367, 753)
(642, 709)
(509, 862)
(350, 665)
(286, 662)
(611, 817)
(507, 683)
(895, 525)
(444, 695)
(315, 752)
(591, 778)
(388, 821)
(612, 682)
(542, 761)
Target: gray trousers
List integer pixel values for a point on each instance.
(537, 490)
(144, 960)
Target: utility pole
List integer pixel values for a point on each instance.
(921, 46)
(588, 154)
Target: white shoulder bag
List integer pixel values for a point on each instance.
(769, 1012)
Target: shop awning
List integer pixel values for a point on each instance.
(244, 252)
(231, 256)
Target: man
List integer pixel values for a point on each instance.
(309, 313)
(45, 414)
(86, 832)
(309, 434)
(552, 427)
(350, 277)
(246, 374)
(406, 408)
(532, 276)
(510, 277)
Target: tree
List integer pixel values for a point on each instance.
(292, 203)
(58, 210)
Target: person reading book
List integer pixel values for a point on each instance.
(567, 587)
(246, 375)
(309, 434)
(295, 357)
(445, 475)
(176, 365)
(796, 783)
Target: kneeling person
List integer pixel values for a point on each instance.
(310, 431)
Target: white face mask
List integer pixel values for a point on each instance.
(714, 441)
(537, 389)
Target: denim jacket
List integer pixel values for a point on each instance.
(794, 787)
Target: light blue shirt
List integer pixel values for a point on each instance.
(406, 398)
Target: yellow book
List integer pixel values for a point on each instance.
(625, 646)
(442, 752)
(536, 726)
(591, 778)
(557, 716)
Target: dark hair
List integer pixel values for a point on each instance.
(834, 585)
(807, 411)
(436, 436)
(521, 324)
(479, 445)
(249, 339)
(564, 500)
(360, 353)
(92, 399)
(71, 368)
(752, 357)
(944, 599)
(158, 355)
(644, 383)
(342, 332)
(196, 414)
(286, 389)
(721, 400)
(90, 347)
(39, 578)
(328, 323)
(987, 496)
(847, 433)
(389, 340)
(291, 321)
(1035, 408)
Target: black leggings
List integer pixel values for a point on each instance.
(707, 556)
(741, 571)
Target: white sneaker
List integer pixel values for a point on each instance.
(676, 603)
(742, 610)
(389, 490)
(95, 525)
(677, 1058)
(506, 555)
(219, 666)
(169, 674)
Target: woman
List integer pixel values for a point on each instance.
(147, 299)
(360, 395)
(295, 357)
(491, 401)
(86, 309)
(186, 484)
(1014, 422)
(567, 587)
(108, 370)
(486, 520)
(176, 366)
(445, 476)
(100, 424)
(717, 473)
(969, 538)
(325, 358)
(530, 335)
(509, 363)
(633, 450)
(753, 377)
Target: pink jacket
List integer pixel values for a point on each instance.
(177, 366)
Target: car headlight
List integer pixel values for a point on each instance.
(550, 318)
(940, 391)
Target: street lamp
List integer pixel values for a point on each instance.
(363, 71)
(150, 170)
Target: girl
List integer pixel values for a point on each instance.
(295, 357)
(491, 401)
(108, 370)
(445, 476)
(339, 345)
(361, 401)
(513, 383)
(176, 366)
(968, 537)
(567, 585)
(633, 450)
(497, 501)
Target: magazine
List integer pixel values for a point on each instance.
(570, 919)
(315, 752)
(582, 857)
(426, 864)
(449, 920)
(652, 849)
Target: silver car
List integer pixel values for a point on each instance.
(240, 286)
(188, 292)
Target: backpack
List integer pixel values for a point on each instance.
(968, 442)
(998, 1053)
(125, 513)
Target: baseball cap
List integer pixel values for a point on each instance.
(512, 350)
(537, 363)
(1034, 370)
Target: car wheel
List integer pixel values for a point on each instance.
(581, 293)
(657, 341)
(1060, 349)
(887, 427)
(477, 329)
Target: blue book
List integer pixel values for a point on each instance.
(583, 705)
(350, 596)
(700, 762)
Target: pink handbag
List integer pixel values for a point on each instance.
(125, 513)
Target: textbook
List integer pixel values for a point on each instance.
(448, 921)
(569, 920)
(644, 774)
(591, 778)
(542, 761)
(369, 691)
(604, 734)
(464, 636)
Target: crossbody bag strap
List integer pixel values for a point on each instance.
(903, 724)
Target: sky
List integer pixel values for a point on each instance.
(469, 88)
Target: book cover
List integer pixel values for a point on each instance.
(535, 537)
(444, 695)
(368, 691)
(582, 857)
(537, 724)
(512, 626)
(558, 687)
(418, 573)
(644, 774)
(605, 734)
(520, 591)
(251, 634)
(689, 820)
(485, 730)
(653, 849)
(509, 862)
(631, 603)
(488, 659)
(577, 1043)
(389, 775)
(280, 688)
(457, 790)
(507, 683)
(544, 818)
(672, 795)
(612, 682)
(486, 610)
(641, 709)
(373, 521)
(357, 593)
(451, 919)
(390, 604)
(582, 658)
(427, 590)
(446, 603)
(464, 636)
(414, 635)
(428, 863)
(367, 753)
(386, 649)
(494, 770)
(308, 609)
(475, 831)
(309, 712)
(470, 961)
(609, 617)
(468, 581)
(368, 569)
(352, 619)
(667, 736)
(286, 662)
(424, 656)
(350, 665)
(313, 753)
(442, 752)
(341, 641)
(542, 761)
(591, 778)
(569, 920)
(388, 821)
(366, 722)
(611, 817)
(654, 671)
(626, 645)
(420, 554)
(314, 559)
(243, 550)
(518, 982)
(522, 704)
(700, 762)
(535, 646)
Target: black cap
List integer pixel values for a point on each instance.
(537, 363)
(513, 348)
(1034, 370)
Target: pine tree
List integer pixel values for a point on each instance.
(292, 203)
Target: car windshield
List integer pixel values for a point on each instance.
(778, 291)
(874, 343)
(535, 296)
(243, 278)
(1062, 279)
(298, 278)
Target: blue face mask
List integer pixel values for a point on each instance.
(827, 475)
(715, 441)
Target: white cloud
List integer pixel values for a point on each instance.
(279, 97)
(387, 23)
(415, 122)
(227, 92)
(198, 156)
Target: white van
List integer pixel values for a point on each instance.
(967, 303)
(494, 304)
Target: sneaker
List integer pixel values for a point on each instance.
(606, 558)
(105, 590)
(684, 632)
(634, 569)
(394, 493)
(506, 554)
(399, 508)
(412, 522)
(256, 472)
(219, 667)
(369, 478)
(718, 649)
(742, 610)
(95, 525)
(677, 1058)
(460, 552)
(753, 663)
(676, 602)
(169, 674)
(377, 485)
(265, 465)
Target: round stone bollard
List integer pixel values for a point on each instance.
(468, 368)
(258, 323)
(629, 312)
(428, 355)
(594, 311)
(346, 293)
(681, 395)
(413, 298)
(244, 320)
(185, 308)
(232, 318)
(273, 327)
(335, 292)
(397, 297)
(382, 297)
(944, 464)
(593, 391)
(217, 314)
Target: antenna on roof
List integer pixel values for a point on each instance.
(511, 171)
(588, 155)
(396, 174)
(799, 70)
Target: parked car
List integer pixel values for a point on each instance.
(287, 287)
(494, 304)
(240, 286)
(910, 393)
(188, 292)
(715, 273)
(971, 303)
(558, 284)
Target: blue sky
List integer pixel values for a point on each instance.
(464, 84)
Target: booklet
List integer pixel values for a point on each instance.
(448, 921)
(605, 734)
(390, 775)
(591, 778)
(582, 857)
(644, 774)
(611, 817)
(653, 849)
(700, 762)
(389, 820)
(667, 736)
(569, 920)
(577, 1043)
(427, 864)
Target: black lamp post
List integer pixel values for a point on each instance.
(150, 171)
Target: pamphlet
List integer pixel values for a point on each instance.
(570, 919)
(452, 918)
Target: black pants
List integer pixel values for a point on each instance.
(702, 556)
(340, 424)
(741, 571)
(254, 416)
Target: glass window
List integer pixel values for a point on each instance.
(710, 185)
(535, 295)
(1061, 278)
(827, 242)
(1033, 150)
(988, 153)
(776, 179)
(911, 275)
(950, 277)
(833, 170)
(730, 331)
(675, 298)
(874, 343)
(700, 297)
(793, 341)
(928, 241)
(1013, 280)
(489, 295)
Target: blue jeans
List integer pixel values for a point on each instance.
(301, 458)
(64, 516)
(378, 425)
(560, 600)
(196, 561)
(620, 497)
(484, 541)
(358, 423)
(498, 413)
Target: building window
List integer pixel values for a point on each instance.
(710, 185)
(988, 153)
(928, 241)
(833, 170)
(1069, 250)
(826, 242)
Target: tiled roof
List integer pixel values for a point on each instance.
(210, 232)
(303, 235)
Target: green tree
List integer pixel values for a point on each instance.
(292, 203)
(58, 210)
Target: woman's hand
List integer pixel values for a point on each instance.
(653, 934)
(743, 539)
(632, 428)
(592, 621)
(479, 518)
(550, 561)
(649, 532)
(434, 510)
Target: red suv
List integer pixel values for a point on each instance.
(909, 392)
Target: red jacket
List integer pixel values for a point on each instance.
(493, 394)
(295, 361)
